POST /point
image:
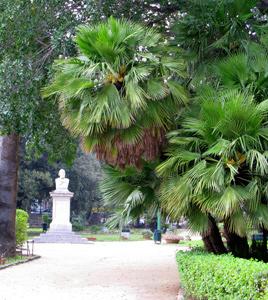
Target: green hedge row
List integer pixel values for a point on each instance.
(21, 226)
(208, 276)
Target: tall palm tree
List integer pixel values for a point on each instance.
(217, 166)
(122, 91)
(130, 193)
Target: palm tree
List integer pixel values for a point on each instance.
(217, 166)
(130, 193)
(245, 70)
(122, 91)
(209, 30)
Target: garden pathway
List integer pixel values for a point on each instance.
(100, 271)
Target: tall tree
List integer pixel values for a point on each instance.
(8, 180)
(25, 25)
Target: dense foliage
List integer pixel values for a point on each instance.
(129, 193)
(21, 226)
(220, 156)
(122, 91)
(206, 276)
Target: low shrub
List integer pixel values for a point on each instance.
(95, 229)
(47, 219)
(147, 234)
(21, 226)
(77, 226)
(78, 222)
(208, 276)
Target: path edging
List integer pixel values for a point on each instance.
(20, 262)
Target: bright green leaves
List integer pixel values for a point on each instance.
(67, 86)
(109, 109)
(178, 92)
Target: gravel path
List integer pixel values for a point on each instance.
(100, 271)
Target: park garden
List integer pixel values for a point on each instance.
(172, 100)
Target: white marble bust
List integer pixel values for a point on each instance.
(62, 183)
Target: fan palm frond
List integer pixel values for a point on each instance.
(125, 76)
(225, 174)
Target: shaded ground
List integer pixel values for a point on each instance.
(100, 271)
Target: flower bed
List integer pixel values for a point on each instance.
(172, 238)
(207, 276)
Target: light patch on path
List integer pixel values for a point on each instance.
(100, 271)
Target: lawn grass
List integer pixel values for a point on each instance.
(100, 237)
(34, 232)
(15, 259)
(12, 260)
(112, 237)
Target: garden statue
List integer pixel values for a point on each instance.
(62, 182)
(60, 229)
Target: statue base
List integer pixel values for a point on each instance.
(60, 230)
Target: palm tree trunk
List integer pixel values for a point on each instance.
(207, 243)
(9, 146)
(215, 237)
(236, 244)
(212, 238)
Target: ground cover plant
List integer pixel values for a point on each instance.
(207, 276)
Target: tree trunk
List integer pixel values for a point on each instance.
(207, 243)
(236, 244)
(212, 238)
(9, 146)
(215, 237)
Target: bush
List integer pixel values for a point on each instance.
(95, 229)
(77, 226)
(208, 276)
(147, 234)
(21, 226)
(47, 219)
(78, 222)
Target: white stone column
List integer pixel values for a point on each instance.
(61, 211)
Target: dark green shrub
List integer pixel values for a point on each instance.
(21, 226)
(47, 219)
(78, 226)
(78, 222)
(95, 229)
(208, 276)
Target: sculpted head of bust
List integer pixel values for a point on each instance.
(61, 173)
(62, 182)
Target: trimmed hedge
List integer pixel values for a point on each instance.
(224, 277)
(21, 226)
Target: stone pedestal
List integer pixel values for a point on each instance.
(61, 211)
(60, 230)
